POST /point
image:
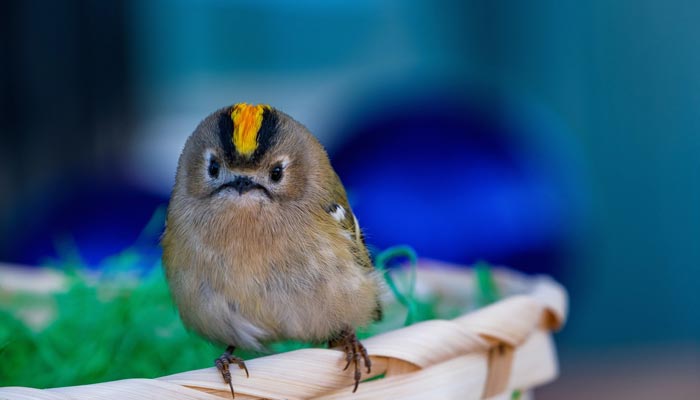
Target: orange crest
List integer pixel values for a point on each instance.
(247, 120)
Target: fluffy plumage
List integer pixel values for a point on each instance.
(252, 259)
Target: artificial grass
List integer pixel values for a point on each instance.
(121, 323)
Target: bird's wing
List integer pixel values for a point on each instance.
(348, 222)
(339, 210)
(351, 228)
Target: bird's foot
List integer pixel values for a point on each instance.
(222, 364)
(355, 353)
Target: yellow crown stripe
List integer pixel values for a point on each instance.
(247, 120)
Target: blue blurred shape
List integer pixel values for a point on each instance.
(461, 180)
(89, 219)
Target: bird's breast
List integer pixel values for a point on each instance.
(255, 287)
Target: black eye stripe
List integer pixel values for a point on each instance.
(225, 130)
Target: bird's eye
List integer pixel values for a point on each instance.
(276, 173)
(214, 168)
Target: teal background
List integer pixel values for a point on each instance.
(623, 77)
(108, 91)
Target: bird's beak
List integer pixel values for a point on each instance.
(241, 184)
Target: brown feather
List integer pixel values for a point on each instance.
(246, 269)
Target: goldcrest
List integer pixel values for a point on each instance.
(260, 241)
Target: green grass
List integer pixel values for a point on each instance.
(119, 325)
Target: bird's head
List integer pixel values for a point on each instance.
(250, 156)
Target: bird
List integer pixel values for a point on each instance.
(260, 243)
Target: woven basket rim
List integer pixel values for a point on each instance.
(490, 351)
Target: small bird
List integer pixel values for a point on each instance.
(260, 242)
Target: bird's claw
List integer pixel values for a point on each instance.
(222, 364)
(355, 353)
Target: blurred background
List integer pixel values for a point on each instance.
(554, 137)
